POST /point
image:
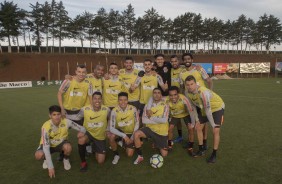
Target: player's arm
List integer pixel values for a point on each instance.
(63, 88)
(46, 150)
(113, 126)
(145, 118)
(75, 126)
(163, 118)
(163, 85)
(90, 92)
(205, 97)
(192, 110)
(207, 78)
(136, 118)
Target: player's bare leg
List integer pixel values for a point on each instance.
(216, 140)
(170, 136)
(137, 136)
(67, 151)
(199, 129)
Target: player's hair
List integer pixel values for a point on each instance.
(157, 88)
(190, 78)
(187, 54)
(81, 66)
(145, 60)
(54, 108)
(123, 94)
(113, 64)
(97, 93)
(158, 55)
(128, 58)
(173, 56)
(98, 66)
(173, 88)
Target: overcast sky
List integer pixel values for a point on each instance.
(223, 9)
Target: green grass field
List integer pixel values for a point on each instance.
(250, 149)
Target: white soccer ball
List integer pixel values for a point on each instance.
(156, 161)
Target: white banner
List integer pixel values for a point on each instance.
(254, 67)
(138, 66)
(20, 84)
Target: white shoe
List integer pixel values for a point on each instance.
(116, 159)
(89, 149)
(44, 165)
(138, 160)
(120, 143)
(67, 164)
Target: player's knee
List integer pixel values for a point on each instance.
(39, 155)
(137, 134)
(130, 153)
(164, 153)
(67, 148)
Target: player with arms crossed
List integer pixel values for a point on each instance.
(213, 106)
(124, 122)
(156, 126)
(54, 135)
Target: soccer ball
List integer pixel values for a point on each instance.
(156, 161)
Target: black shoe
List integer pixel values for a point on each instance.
(200, 153)
(191, 152)
(212, 159)
(205, 147)
(83, 167)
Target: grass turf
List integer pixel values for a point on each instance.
(250, 148)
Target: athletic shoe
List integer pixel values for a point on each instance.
(138, 160)
(44, 165)
(83, 167)
(200, 153)
(116, 159)
(212, 159)
(178, 139)
(205, 147)
(191, 152)
(120, 143)
(67, 164)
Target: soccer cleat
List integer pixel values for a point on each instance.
(120, 143)
(178, 139)
(205, 147)
(138, 160)
(67, 164)
(44, 165)
(191, 152)
(116, 159)
(212, 159)
(200, 153)
(83, 167)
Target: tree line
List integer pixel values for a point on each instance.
(50, 22)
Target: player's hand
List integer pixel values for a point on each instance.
(51, 173)
(63, 113)
(106, 76)
(68, 77)
(165, 86)
(127, 140)
(132, 88)
(149, 113)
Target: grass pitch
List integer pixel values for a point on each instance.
(250, 149)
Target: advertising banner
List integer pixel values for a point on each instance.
(19, 84)
(46, 83)
(206, 66)
(138, 66)
(232, 68)
(278, 66)
(254, 67)
(219, 68)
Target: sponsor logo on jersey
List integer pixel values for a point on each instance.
(75, 88)
(155, 112)
(124, 118)
(146, 81)
(112, 86)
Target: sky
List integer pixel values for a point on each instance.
(222, 9)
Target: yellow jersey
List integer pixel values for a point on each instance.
(128, 79)
(180, 108)
(175, 80)
(111, 89)
(200, 75)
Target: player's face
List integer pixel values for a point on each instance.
(187, 61)
(157, 95)
(122, 102)
(148, 66)
(173, 96)
(80, 73)
(128, 64)
(56, 117)
(191, 86)
(174, 62)
(160, 61)
(113, 70)
(99, 72)
(97, 101)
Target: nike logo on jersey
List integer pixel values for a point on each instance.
(126, 78)
(173, 109)
(174, 73)
(123, 118)
(146, 82)
(155, 112)
(94, 117)
(97, 86)
(112, 86)
(75, 88)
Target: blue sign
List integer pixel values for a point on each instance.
(206, 66)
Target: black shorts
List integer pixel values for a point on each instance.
(141, 109)
(58, 148)
(203, 119)
(99, 146)
(218, 117)
(174, 121)
(159, 140)
(136, 104)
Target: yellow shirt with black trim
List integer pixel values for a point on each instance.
(128, 79)
(148, 84)
(76, 95)
(158, 111)
(125, 120)
(56, 134)
(175, 80)
(97, 84)
(195, 73)
(111, 89)
(95, 122)
(178, 109)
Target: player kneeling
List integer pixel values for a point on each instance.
(124, 122)
(95, 121)
(156, 126)
(54, 134)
